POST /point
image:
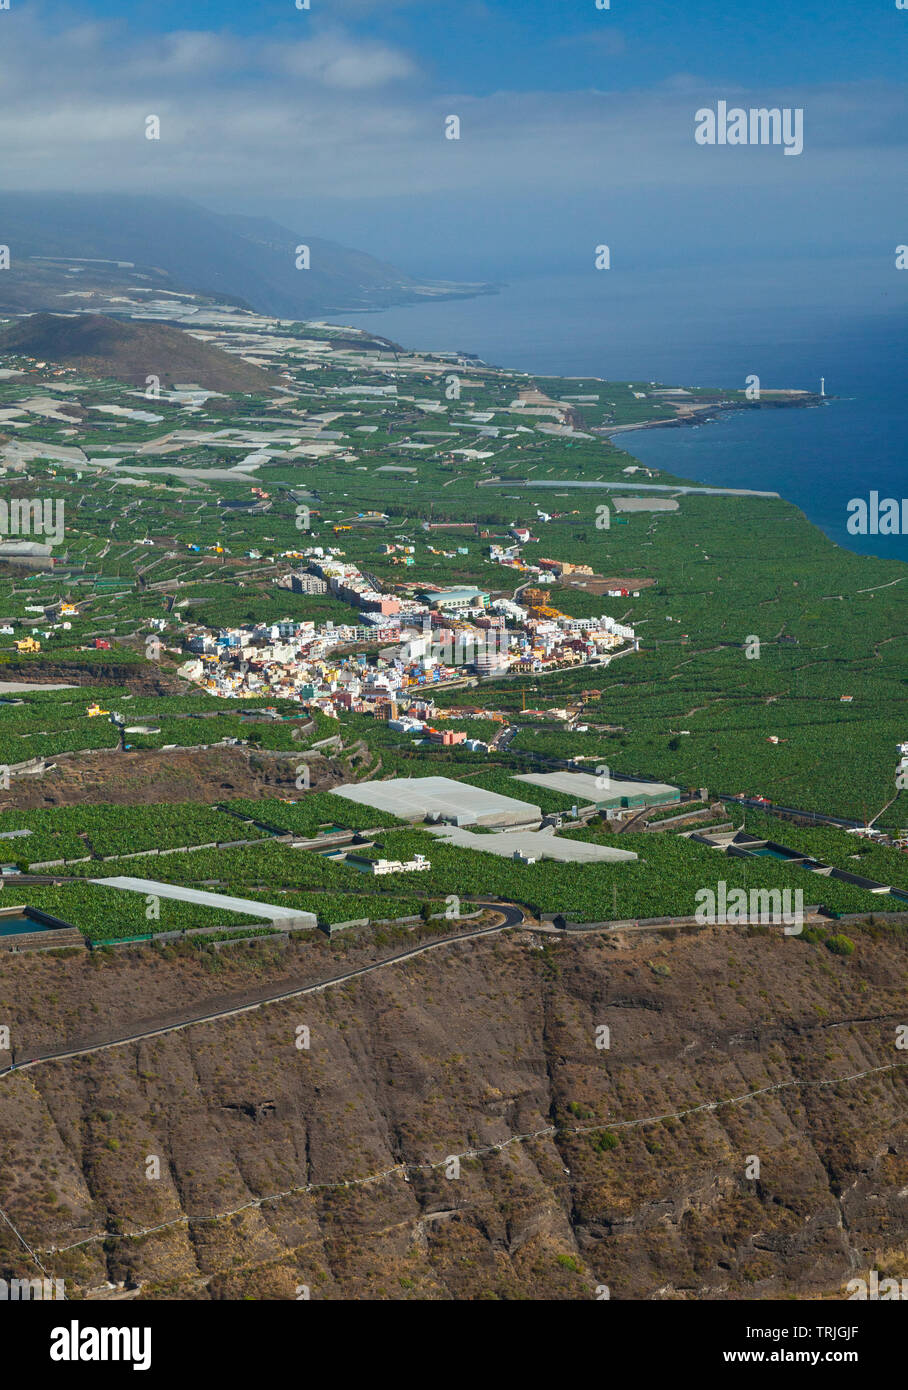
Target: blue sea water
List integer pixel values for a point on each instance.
(716, 329)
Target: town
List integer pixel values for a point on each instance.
(424, 642)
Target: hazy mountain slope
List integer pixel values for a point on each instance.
(180, 245)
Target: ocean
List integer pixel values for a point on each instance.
(714, 329)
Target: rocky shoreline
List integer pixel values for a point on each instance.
(691, 415)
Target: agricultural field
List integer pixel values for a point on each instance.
(109, 914)
(317, 812)
(79, 832)
(833, 846)
(663, 881)
(811, 720)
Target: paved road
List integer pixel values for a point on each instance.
(513, 916)
(19, 687)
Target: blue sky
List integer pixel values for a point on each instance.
(479, 47)
(577, 124)
(555, 46)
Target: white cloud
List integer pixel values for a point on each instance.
(335, 116)
(335, 61)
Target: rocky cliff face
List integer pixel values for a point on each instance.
(453, 1129)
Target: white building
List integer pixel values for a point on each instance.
(396, 866)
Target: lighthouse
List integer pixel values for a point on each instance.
(822, 386)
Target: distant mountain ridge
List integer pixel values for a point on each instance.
(175, 244)
(107, 347)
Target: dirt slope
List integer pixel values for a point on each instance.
(467, 1048)
(106, 347)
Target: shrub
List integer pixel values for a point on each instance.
(605, 1141)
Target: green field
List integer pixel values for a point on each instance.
(691, 707)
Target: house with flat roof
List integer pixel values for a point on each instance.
(458, 598)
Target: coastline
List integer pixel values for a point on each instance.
(543, 327)
(691, 416)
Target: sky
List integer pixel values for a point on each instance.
(577, 124)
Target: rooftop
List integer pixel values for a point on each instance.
(592, 789)
(413, 798)
(535, 844)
